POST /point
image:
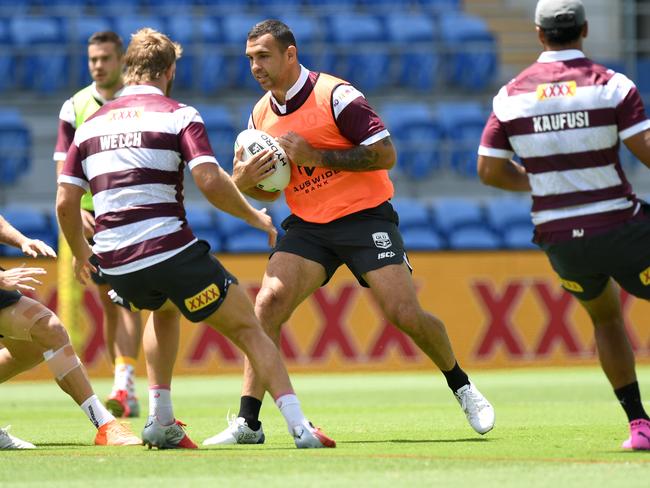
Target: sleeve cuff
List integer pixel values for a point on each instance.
(634, 130)
(59, 156)
(495, 153)
(74, 181)
(375, 137)
(200, 160)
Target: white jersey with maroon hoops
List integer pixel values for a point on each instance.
(565, 117)
(131, 154)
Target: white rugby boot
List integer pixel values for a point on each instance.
(478, 410)
(7, 441)
(171, 436)
(238, 432)
(306, 436)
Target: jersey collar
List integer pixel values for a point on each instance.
(564, 55)
(293, 91)
(140, 90)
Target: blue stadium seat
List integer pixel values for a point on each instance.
(7, 60)
(418, 61)
(643, 76)
(454, 213)
(32, 222)
(278, 210)
(519, 237)
(12, 8)
(218, 122)
(422, 239)
(463, 124)
(202, 220)
(250, 241)
(413, 213)
(43, 60)
(439, 6)
(203, 64)
(417, 136)
(235, 30)
(342, 7)
(78, 30)
(59, 7)
(470, 51)
(507, 211)
(15, 146)
(117, 8)
(308, 32)
(473, 237)
(125, 25)
(359, 42)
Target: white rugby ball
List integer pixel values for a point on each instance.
(254, 141)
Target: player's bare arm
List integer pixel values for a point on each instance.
(68, 211)
(32, 247)
(221, 191)
(247, 174)
(639, 144)
(377, 156)
(502, 173)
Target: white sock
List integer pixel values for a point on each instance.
(96, 411)
(289, 406)
(160, 404)
(124, 376)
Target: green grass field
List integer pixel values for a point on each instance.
(555, 427)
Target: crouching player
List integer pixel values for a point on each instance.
(31, 333)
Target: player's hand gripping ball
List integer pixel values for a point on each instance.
(253, 141)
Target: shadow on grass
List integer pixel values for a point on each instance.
(417, 441)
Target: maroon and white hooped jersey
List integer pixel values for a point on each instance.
(565, 117)
(131, 154)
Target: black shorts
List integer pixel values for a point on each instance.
(98, 277)
(8, 298)
(194, 280)
(586, 264)
(364, 241)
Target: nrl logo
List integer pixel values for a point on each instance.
(382, 241)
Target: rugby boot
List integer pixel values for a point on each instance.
(115, 433)
(238, 432)
(7, 441)
(306, 435)
(639, 439)
(478, 410)
(171, 436)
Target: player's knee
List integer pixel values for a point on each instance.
(49, 333)
(271, 308)
(404, 315)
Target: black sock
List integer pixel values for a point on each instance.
(249, 408)
(456, 378)
(629, 397)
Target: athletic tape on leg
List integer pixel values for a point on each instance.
(16, 321)
(62, 361)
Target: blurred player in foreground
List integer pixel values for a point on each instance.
(31, 333)
(339, 198)
(122, 328)
(565, 117)
(131, 154)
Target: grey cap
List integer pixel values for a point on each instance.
(558, 14)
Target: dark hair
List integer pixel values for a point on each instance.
(279, 30)
(107, 36)
(561, 36)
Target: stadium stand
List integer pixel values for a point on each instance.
(417, 63)
(15, 147)
(367, 64)
(42, 61)
(221, 131)
(470, 51)
(417, 136)
(33, 222)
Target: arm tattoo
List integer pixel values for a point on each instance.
(358, 158)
